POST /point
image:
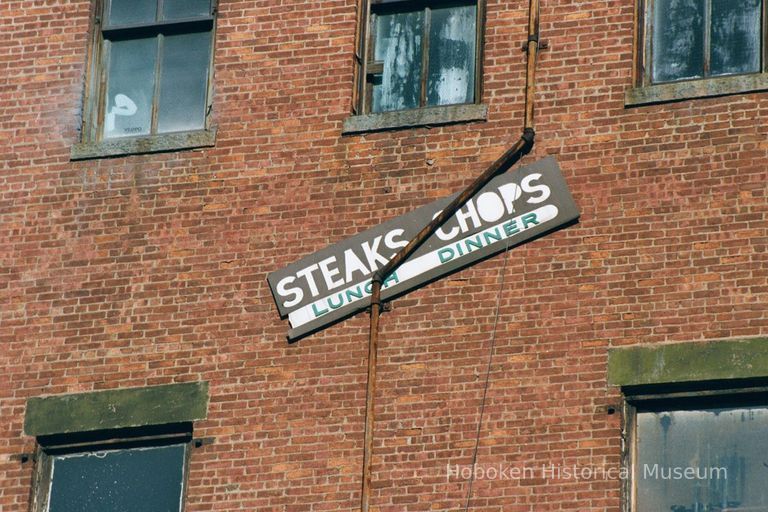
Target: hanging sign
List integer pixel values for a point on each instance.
(334, 283)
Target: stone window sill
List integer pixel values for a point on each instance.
(429, 116)
(143, 145)
(691, 89)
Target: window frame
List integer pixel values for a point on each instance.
(48, 447)
(362, 119)
(678, 398)
(644, 43)
(92, 143)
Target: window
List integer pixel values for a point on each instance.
(704, 38)
(699, 452)
(118, 449)
(720, 43)
(114, 474)
(151, 68)
(417, 54)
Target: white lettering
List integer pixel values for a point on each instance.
(306, 273)
(353, 264)
(372, 254)
(389, 239)
(509, 194)
(542, 189)
(442, 235)
(329, 272)
(470, 213)
(490, 207)
(297, 293)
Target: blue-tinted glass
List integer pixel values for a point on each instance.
(451, 74)
(184, 82)
(179, 9)
(128, 12)
(735, 36)
(133, 480)
(130, 87)
(678, 39)
(702, 461)
(398, 46)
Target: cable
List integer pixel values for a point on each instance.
(487, 375)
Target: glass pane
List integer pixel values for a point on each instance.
(398, 45)
(678, 39)
(178, 9)
(451, 74)
(135, 480)
(128, 12)
(131, 85)
(707, 460)
(184, 82)
(735, 36)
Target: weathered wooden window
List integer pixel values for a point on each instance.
(145, 470)
(415, 54)
(151, 68)
(697, 39)
(697, 452)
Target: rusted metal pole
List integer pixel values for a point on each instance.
(532, 49)
(501, 165)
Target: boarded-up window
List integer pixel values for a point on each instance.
(418, 54)
(138, 479)
(693, 39)
(698, 451)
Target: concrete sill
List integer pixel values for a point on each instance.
(690, 89)
(429, 116)
(143, 145)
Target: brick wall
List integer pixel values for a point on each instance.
(152, 269)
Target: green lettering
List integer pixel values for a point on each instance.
(357, 293)
(336, 306)
(476, 242)
(529, 218)
(495, 235)
(318, 313)
(510, 228)
(445, 254)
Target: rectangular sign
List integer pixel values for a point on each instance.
(334, 283)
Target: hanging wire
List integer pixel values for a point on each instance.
(487, 375)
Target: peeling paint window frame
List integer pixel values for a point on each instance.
(366, 67)
(92, 142)
(87, 443)
(675, 397)
(647, 92)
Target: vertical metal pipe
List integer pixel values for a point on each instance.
(502, 164)
(373, 341)
(532, 50)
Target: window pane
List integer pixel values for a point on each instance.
(735, 36)
(125, 12)
(135, 480)
(707, 460)
(398, 46)
(678, 39)
(131, 85)
(178, 9)
(184, 82)
(451, 75)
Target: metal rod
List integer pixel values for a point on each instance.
(501, 165)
